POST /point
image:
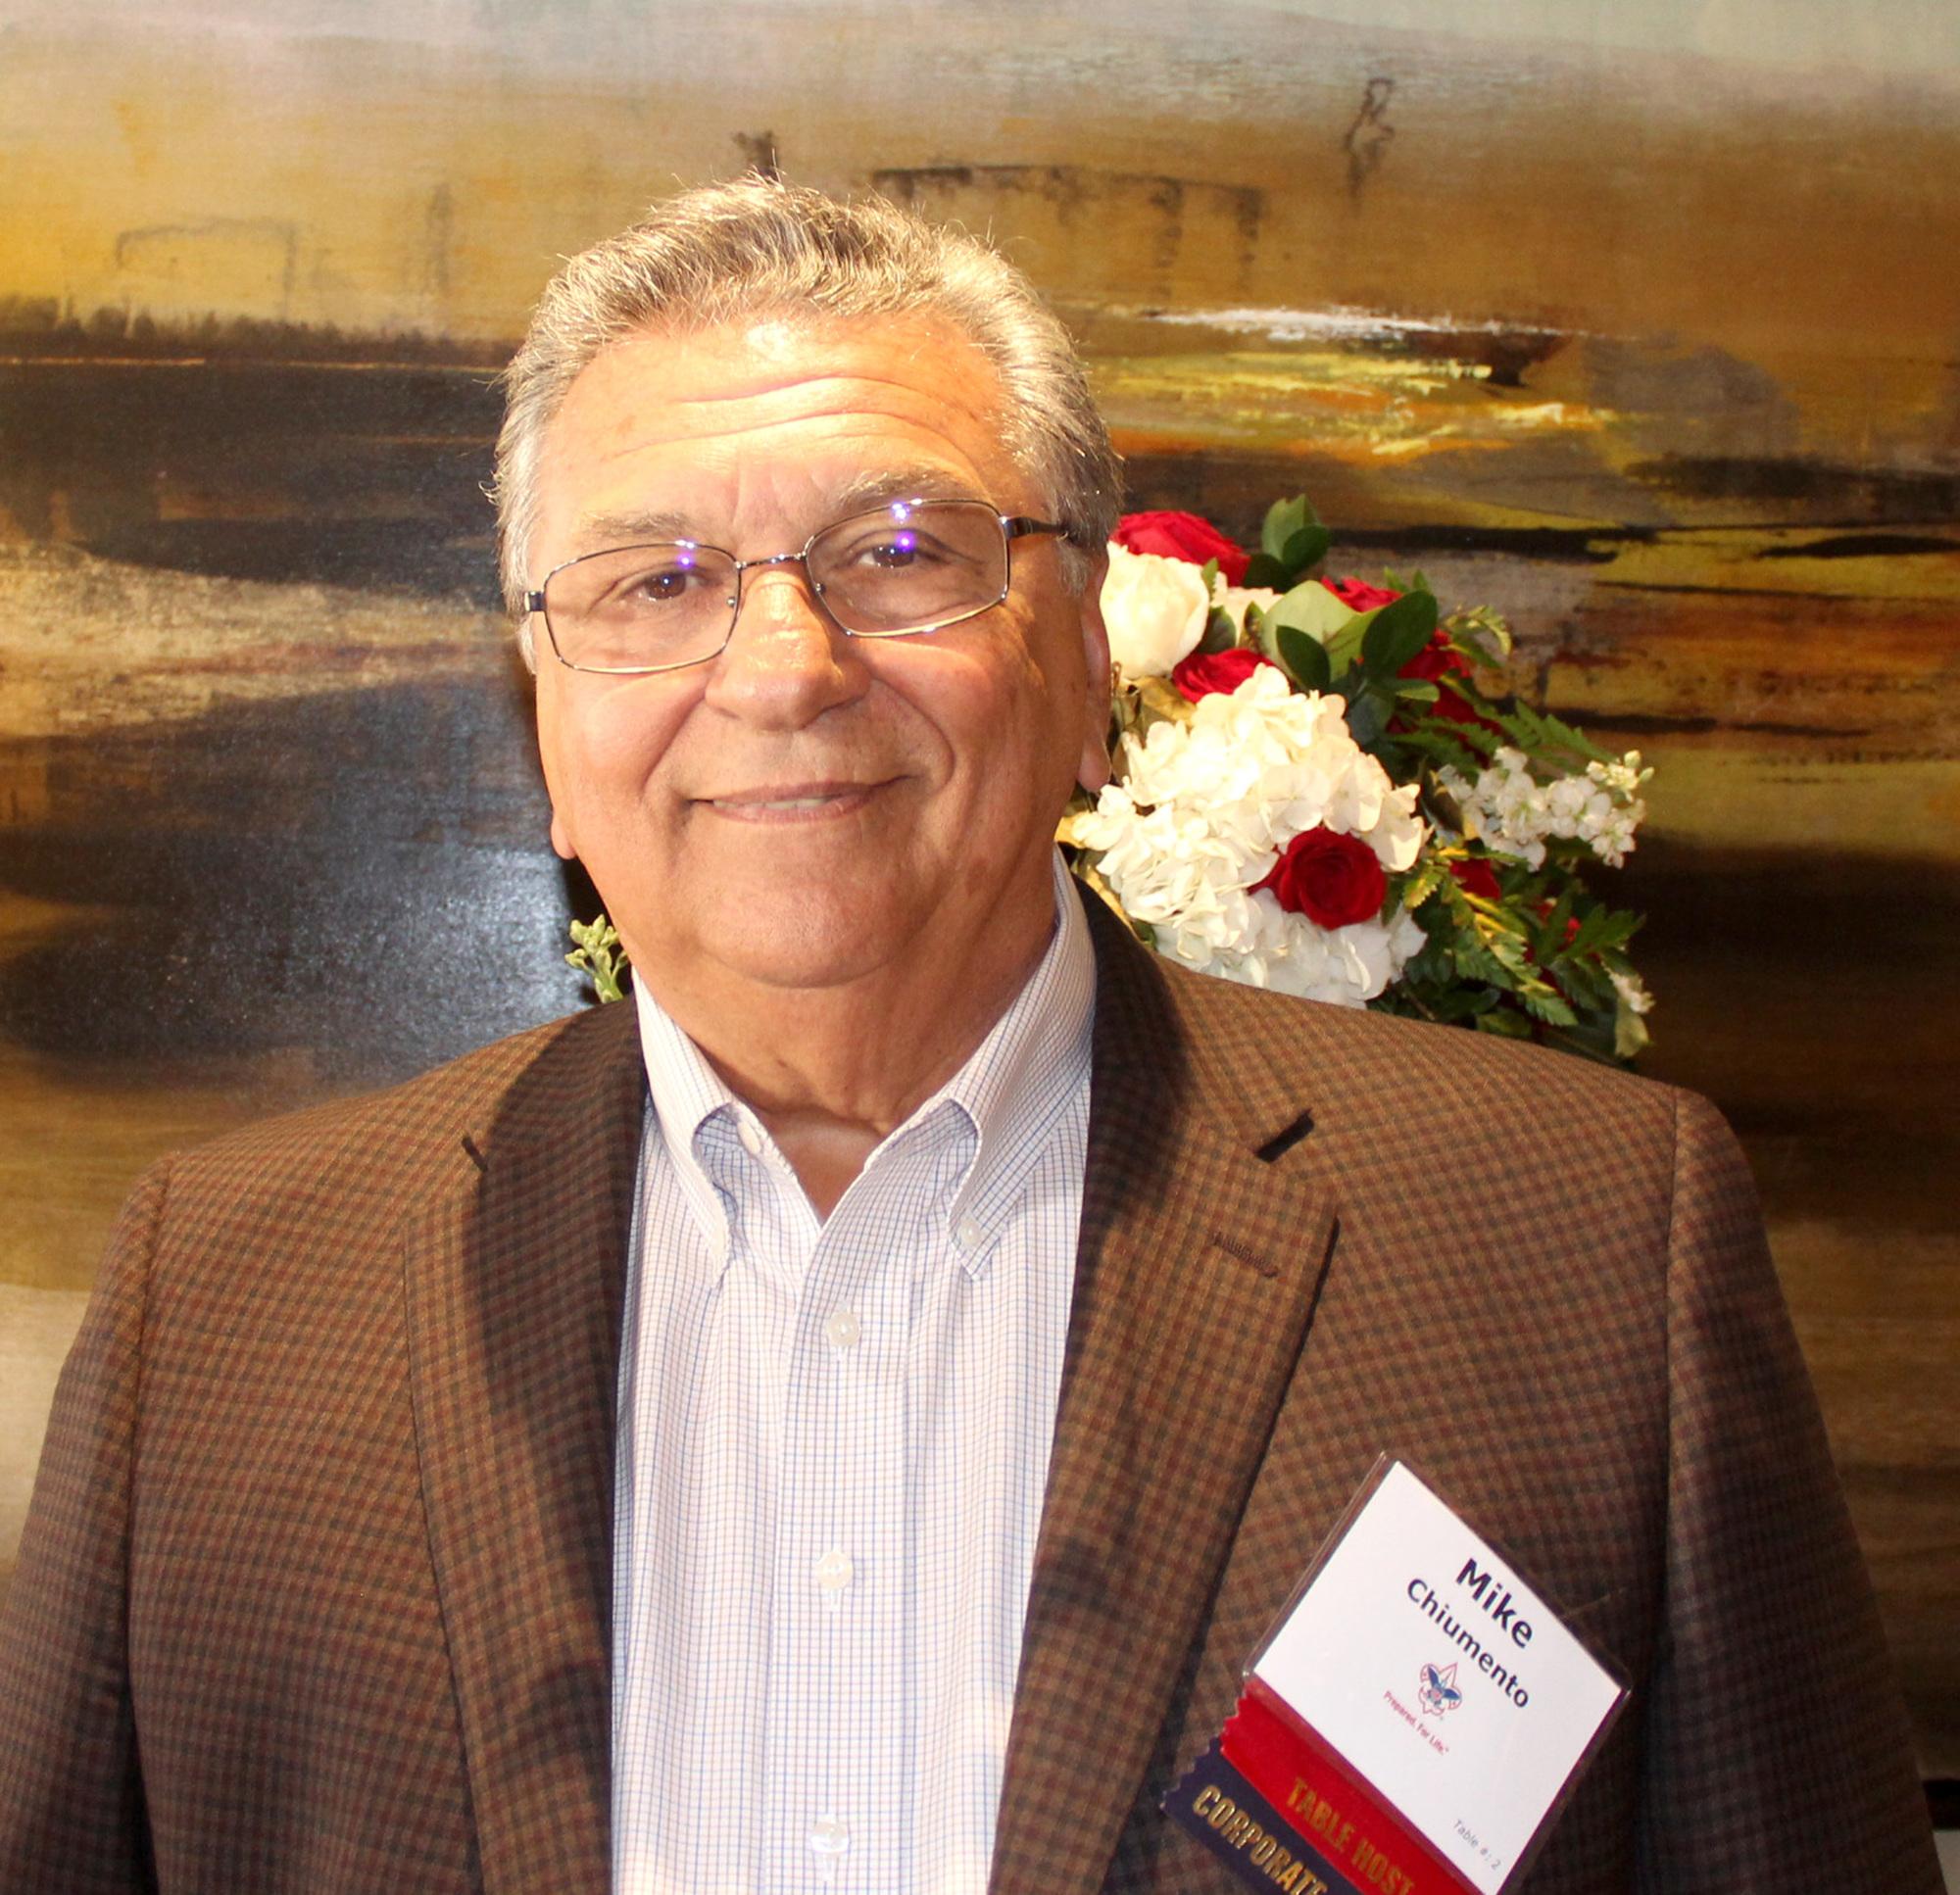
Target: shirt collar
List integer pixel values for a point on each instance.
(1019, 1079)
(686, 1092)
(1013, 1087)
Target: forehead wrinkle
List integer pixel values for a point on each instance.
(729, 423)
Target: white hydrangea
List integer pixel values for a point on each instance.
(1203, 807)
(1512, 813)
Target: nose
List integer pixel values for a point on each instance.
(785, 661)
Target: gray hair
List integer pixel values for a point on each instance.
(758, 247)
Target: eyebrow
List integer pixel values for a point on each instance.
(861, 493)
(869, 490)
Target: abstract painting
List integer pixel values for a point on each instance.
(1637, 322)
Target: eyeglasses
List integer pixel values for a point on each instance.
(909, 566)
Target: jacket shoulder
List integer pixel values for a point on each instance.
(372, 1136)
(1378, 1073)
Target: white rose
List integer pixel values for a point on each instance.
(1156, 610)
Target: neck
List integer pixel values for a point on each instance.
(831, 1071)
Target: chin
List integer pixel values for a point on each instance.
(805, 958)
(812, 937)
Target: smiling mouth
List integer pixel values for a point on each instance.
(790, 802)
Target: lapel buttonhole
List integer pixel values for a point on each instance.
(1264, 1266)
(1282, 1142)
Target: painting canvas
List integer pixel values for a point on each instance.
(1639, 323)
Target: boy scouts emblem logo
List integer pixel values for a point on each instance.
(1438, 1690)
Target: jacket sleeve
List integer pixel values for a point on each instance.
(1777, 1752)
(72, 1817)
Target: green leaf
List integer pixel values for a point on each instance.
(1306, 548)
(1400, 629)
(1304, 657)
(1220, 634)
(1368, 717)
(1417, 690)
(1421, 882)
(1439, 741)
(1541, 1003)
(1263, 569)
(1312, 608)
(1543, 738)
(1480, 634)
(1284, 518)
(1345, 647)
(1585, 985)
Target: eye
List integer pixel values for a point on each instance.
(673, 579)
(662, 583)
(901, 550)
(893, 549)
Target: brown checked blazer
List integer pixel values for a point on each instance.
(315, 1593)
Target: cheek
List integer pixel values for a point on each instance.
(1015, 730)
(600, 740)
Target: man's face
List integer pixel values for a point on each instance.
(807, 809)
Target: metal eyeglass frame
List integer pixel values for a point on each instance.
(1013, 527)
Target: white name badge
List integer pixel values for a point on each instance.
(1435, 1671)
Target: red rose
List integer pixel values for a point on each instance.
(1476, 876)
(1204, 672)
(1182, 536)
(1330, 879)
(1361, 596)
(1441, 665)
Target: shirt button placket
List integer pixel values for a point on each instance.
(829, 1838)
(834, 1572)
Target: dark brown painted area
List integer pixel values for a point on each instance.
(357, 472)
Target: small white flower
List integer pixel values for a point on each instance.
(1156, 610)
(1513, 814)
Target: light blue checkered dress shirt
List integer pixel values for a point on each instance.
(833, 1445)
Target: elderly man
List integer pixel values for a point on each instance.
(845, 1420)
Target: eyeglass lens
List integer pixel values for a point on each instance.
(910, 566)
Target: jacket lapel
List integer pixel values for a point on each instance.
(1198, 1268)
(514, 1278)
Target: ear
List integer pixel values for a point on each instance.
(1093, 771)
(545, 707)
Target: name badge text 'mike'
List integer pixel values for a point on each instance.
(1415, 1720)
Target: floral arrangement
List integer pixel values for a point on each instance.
(1314, 792)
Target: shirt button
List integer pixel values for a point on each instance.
(843, 1329)
(972, 1237)
(751, 1138)
(834, 1571)
(829, 1837)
